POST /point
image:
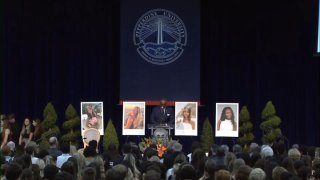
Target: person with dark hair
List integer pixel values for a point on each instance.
(14, 128)
(63, 176)
(26, 174)
(65, 148)
(126, 149)
(186, 171)
(243, 172)
(222, 175)
(88, 173)
(227, 120)
(13, 171)
(110, 156)
(91, 156)
(26, 161)
(151, 175)
(93, 143)
(6, 134)
(36, 172)
(38, 130)
(30, 151)
(50, 172)
(210, 168)
(118, 172)
(26, 133)
(287, 163)
(68, 167)
(195, 145)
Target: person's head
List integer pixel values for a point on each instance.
(12, 118)
(63, 176)
(236, 165)
(29, 150)
(35, 171)
(68, 166)
(151, 175)
(243, 172)
(180, 158)
(26, 174)
(88, 173)
(163, 102)
(126, 148)
(53, 141)
(222, 175)
(294, 154)
(118, 172)
(93, 143)
(136, 110)
(65, 148)
(186, 113)
(186, 171)
(210, 168)
(5, 124)
(288, 164)
(5, 150)
(26, 122)
(257, 174)
(36, 122)
(50, 171)
(236, 149)
(89, 151)
(13, 171)
(277, 171)
(227, 113)
(25, 161)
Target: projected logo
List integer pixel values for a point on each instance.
(160, 36)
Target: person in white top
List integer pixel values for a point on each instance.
(185, 122)
(65, 148)
(226, 121)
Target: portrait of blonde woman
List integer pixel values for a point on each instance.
(185, 121)
(134, 119)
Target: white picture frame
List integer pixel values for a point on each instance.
(92, 116)
(133, 118)
(228, 126)
(183, 126)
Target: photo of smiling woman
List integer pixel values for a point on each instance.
(133, 118)
(186, 121)
(227, 119)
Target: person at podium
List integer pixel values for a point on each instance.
(162, 115)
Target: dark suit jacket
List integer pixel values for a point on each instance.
(160, 117)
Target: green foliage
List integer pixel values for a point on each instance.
(245, 129)
(207, 137)
(73, 120)
(270, 124)
(50, 118)
(110, 136)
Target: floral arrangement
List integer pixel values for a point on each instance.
(146, 142)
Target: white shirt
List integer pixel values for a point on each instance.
(226, 125)
(185, 126)
(62, 159)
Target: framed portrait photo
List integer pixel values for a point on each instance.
(227, 120)
(133, 118)
(92, 116)
(186, 119)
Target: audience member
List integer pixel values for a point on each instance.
(65, 148)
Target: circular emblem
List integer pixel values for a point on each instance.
(160, 36)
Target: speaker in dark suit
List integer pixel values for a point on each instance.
(162, 114)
